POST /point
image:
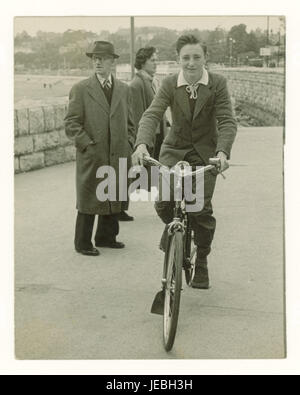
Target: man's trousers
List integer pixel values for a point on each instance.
(107, 230)
(202, 222)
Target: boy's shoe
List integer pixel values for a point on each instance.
(201, 279)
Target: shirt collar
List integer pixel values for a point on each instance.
(101, 79)
(181, 81)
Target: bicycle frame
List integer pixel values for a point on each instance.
(180, 221)
(178, 255)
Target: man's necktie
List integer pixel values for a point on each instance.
(106, 85)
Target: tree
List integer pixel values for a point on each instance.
(239, 35)
(252, 43)
(216, 45)
(60, 50)
(261, 37)
(21, 38)
(164, 43)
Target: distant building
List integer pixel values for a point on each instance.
(22, 49)
(67, 48)
(82, 44)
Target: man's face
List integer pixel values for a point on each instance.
(192, 60)
(150, 65)
(103, 64)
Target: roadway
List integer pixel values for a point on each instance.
(68, 306)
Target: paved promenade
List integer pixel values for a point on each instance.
(69, 306)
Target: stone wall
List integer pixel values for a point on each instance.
(258, 93)
(40, 138)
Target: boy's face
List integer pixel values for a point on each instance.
(192, 59)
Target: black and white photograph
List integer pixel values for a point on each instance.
(149, 179)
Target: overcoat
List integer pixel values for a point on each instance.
(212, 127)
(102, 134)
(142, 96)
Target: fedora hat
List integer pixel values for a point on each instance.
(102, 48)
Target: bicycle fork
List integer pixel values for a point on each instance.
(175, 226)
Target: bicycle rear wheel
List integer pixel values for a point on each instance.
(173, 276)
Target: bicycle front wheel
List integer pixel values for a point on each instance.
(190, 258)
(173, 276)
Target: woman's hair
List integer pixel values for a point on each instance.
(189, 39)
(142, 55)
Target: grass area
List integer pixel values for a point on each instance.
(33, 90)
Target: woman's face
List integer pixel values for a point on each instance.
(150, 65)
(192, 59)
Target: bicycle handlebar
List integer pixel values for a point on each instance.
(214, 163)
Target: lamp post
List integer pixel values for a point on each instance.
(231, 42)
(132, 45)
(268, 41)
(222, 54)
(278, 51)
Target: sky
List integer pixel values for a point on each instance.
(112, 24)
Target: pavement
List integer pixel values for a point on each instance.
(68, 306)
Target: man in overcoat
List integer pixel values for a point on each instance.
(100, 122)
(203, 126)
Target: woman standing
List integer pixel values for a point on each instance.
(143, 89)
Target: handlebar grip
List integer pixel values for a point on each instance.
(151, 161)
(215, 162)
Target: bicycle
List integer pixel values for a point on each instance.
(180, 254)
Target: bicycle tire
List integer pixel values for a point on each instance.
(173, 276)
(190, 252)
(190, 263)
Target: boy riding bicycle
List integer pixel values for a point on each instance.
(202, 127)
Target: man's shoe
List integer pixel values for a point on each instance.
(110, 244)
(91, 252)
(201, 279)
(123, 216)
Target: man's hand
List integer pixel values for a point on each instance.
(224, 163)
(139, 154)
